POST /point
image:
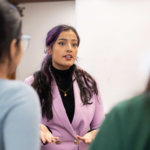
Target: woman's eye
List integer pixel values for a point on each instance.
(61, 43)
(75, 45)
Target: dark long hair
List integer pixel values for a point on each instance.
(10, 27)
(43, 78)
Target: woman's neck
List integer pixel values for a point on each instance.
(3, 71)
(59, 67)
(62, 73)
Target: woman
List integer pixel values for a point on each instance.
(19, 122)
(127, 126)
(70, 99)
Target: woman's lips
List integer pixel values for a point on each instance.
(68, 57)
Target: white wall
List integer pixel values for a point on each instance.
(38, 19)
(115, 45)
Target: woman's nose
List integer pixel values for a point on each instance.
(69, 47)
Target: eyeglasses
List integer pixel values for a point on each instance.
(25, 41)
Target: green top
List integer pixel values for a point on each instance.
(126, 127)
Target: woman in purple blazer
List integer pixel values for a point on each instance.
(70, 99)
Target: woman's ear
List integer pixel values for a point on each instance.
(49, 51)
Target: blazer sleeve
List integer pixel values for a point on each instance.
(99, 112)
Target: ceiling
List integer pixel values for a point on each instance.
(27, 1)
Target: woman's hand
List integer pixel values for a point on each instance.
(46, 135)
(88, 137)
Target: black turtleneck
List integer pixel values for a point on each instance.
(64, 82)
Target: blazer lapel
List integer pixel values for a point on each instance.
(60, 110)
(78, 106)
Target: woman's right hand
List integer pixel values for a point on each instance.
(46, 135)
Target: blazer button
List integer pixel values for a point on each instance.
(76, 142)
(58, 142)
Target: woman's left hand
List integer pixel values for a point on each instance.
(88, 137)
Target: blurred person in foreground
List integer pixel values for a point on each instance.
(19, 103)
(127, 126)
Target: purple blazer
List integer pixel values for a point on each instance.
(85, 116)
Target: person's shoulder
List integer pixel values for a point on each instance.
(14, 93)
(128, 107)
(20, 90)
(25, 94)
(130, 103)
(21, 87)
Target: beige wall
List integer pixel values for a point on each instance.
(115, 45)
(38, 19)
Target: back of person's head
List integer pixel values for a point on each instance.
(10, 35)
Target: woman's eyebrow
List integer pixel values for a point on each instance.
(62, 39)
(74, 40)
(66, 39)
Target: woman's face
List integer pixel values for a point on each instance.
(16, 52)
(64, 50)
(19, 53)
